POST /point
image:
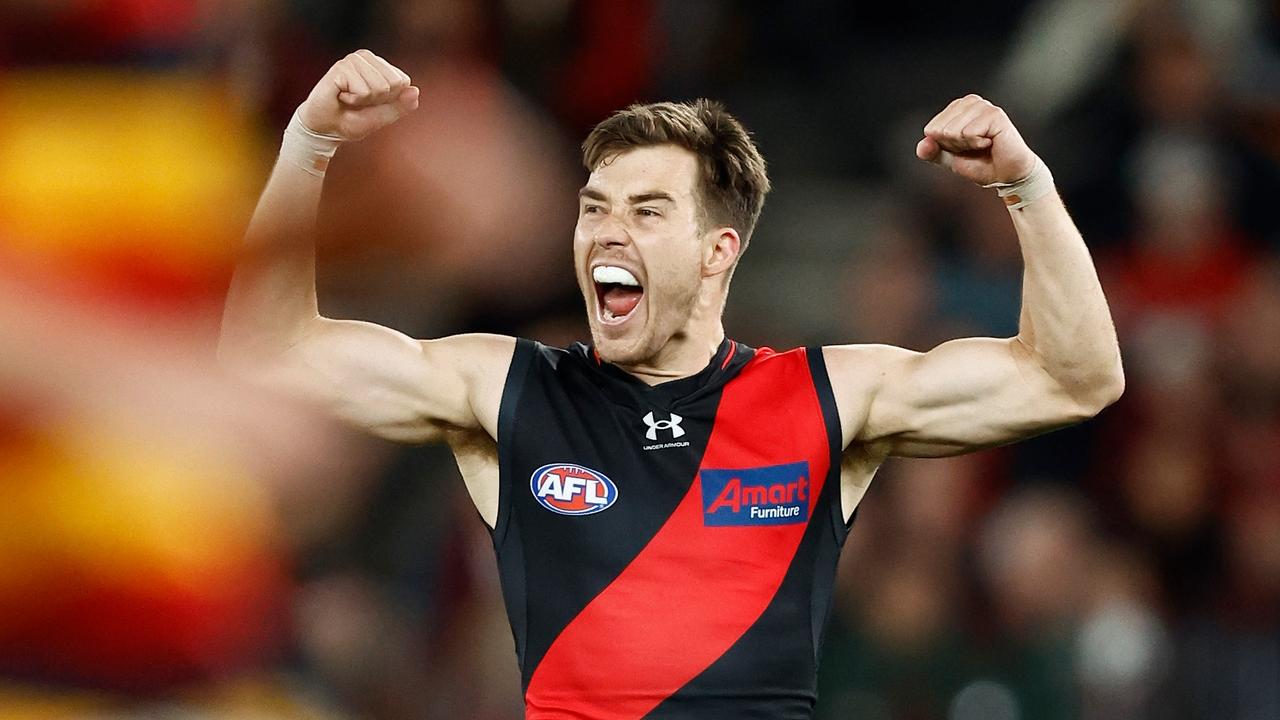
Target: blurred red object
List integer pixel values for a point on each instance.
(91, 30)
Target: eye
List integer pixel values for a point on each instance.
(590, 209)
(647, 212)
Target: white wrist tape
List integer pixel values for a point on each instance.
(1021, 193)
(307, 149)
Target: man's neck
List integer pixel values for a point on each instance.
(687, 352)
(682, 357)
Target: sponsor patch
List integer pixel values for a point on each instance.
(571, 489)
(772, 495)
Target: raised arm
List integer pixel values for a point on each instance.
(1061, 368)
(372, 376)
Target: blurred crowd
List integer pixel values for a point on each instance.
(175, 543)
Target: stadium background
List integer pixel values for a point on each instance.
(176, 544)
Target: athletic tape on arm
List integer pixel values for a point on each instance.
(1021, 193)
(306, 149)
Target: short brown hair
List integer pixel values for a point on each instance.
(733, 176)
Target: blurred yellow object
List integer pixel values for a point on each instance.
(22, 703)
(132, 562)
(262, 698)
(116, 505)
(107, 157)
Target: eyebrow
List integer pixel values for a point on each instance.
(652, 195)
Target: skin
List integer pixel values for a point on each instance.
(640, 210)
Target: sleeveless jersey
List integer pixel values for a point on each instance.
(668, 551)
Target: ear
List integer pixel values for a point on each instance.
(720, 251)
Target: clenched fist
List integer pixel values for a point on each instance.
(976, 141)
(361, 93)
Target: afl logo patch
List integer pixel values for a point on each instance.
(571, 489)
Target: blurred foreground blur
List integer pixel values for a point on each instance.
(174, 543)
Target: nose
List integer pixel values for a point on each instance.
(609, 232)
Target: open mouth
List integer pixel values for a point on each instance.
(618, 293)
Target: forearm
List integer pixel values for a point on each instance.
(272, 297)
(272, 302)
(1065, 321)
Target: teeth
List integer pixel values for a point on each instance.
(615, 275)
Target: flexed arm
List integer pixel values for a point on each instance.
(375, 377)
(1062, 367)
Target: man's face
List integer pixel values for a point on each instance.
(637, 250)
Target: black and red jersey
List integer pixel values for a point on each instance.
(668, 551)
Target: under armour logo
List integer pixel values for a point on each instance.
(655, 425)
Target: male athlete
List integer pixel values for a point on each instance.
(667, 505)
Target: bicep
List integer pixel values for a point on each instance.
(962, 395)
(392, 385)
